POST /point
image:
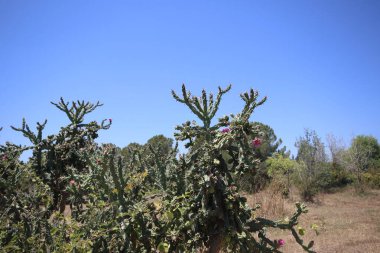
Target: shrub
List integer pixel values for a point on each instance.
(372, 179)
(330, 178)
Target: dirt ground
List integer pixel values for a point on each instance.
(348, 222)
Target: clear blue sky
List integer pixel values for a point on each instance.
(317, 61)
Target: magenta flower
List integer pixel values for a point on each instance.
(256, 142)
(281, 242)
(110, 120)
(233, 188)
(225, 130)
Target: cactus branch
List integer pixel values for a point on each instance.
(77, 110)
(35, 139)
(204, 108)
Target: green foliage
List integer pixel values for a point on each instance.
(257, 179)
(159, 155)
(75, 195)
(220, 217)
(53, 155)
(279, 165)
(23, 201)
(131, 151)
(312, 161)
(330, 178)
(372, 179)
(365, 151)
(311, 150)
(362, 156)
(367, 145)
(269, 142)
(280, 168)
(161, 144)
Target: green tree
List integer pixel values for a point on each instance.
(361, 156)
(159, 154)
(312, 157)
(161, 144)
(367, 150)
(337, 175)
(280, 169)
(255, 180)
(133, 152)
(154, 155)
(269, 142)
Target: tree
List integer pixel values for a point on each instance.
(367, 150)
(336, 175)
(161, 144)
(337, 149)
(256, 180)
(311, 153)
(159, 154)
(311, 149)
(269, 142)
(154, 156)
(130, 150)
(363, 153)
(280, 168)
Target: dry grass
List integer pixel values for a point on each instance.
(348, 222)
(272, 204)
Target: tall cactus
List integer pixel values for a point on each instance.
(219, 216)
(54, 154)
(165, 203)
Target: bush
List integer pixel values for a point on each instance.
(372, 179)
(280, 169)
(330, 178)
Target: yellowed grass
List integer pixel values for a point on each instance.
(348, 222)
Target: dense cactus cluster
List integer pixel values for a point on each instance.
(76, 195)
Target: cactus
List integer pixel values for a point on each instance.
(141, 202)
(54, 154)
(219, 217)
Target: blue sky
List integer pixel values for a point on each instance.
(317, 61)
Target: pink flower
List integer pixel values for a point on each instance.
(72, 182)
(225, 130)
(233, 188)
(256, 142)
(5, 157)
(281, 242)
